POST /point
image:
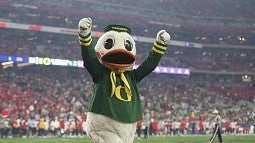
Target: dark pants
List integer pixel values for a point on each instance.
(139, 131)
(2, 132)
(216, 131)
(145, 132)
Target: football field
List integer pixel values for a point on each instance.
(170, 139)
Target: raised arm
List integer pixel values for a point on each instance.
(158, 50)
(88, 53)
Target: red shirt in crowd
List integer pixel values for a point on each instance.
(24, 125)
(139, 123)
(201, 125)
(227, 125)
(62, 124)
(183, 125)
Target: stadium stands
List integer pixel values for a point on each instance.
(62, 15)
(54, 93)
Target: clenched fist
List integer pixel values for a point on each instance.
(163, 37)
(85, 25)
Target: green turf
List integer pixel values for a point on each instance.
(175, 139)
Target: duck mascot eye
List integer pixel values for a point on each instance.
(115, 105)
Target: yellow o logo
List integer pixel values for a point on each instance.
(118, 94)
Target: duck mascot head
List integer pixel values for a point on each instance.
(116, 48)
(115, 105)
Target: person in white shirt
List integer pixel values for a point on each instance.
(233, 127)
(217, 129)
(55, 126)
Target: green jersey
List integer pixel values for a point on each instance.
(120, 105)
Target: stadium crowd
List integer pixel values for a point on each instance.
(40, 94)
(32, 95)
(67, 15)
(209, 12)
(40, 44)
(40, 100)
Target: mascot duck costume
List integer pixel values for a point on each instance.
(115, 106)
